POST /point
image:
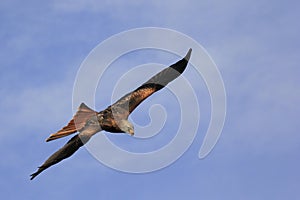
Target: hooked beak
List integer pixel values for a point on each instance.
(131, 132)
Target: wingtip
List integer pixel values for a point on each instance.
(32, 176)
(188, 55)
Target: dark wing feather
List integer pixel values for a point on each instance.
(69, 148)
(66, 151)
(131, 100)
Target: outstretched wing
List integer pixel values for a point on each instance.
(69, 148)
(131, 100)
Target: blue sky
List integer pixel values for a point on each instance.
(256, 47)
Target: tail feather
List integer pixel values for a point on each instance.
(76, 124)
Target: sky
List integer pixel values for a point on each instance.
(255, 46)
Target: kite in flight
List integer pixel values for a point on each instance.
(113, 119)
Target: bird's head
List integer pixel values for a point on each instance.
(126, 127)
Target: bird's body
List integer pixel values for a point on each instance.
(113, 119)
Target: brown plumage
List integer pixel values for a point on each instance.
(76, 124)
(113, 119)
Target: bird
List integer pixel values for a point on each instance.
(114, 118)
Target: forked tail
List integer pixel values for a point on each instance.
(77, 123)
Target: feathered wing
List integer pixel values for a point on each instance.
(76, 124)
(131, 100)
(69, 148)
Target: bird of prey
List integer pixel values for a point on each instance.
(113, 119)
